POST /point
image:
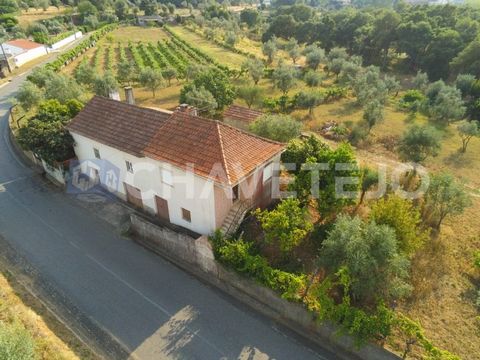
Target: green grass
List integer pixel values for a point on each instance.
(224, 56)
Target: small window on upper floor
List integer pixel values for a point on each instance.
(166, 176)
(186, 215)
(129, 166)
(267, 172)
(96, 153)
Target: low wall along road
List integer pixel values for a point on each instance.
(195, 255)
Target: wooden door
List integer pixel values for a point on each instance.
(134, 195)
(162, 208)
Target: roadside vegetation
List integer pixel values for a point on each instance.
(29, 332)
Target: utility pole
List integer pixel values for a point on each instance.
(5, 56)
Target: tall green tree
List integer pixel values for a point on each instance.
(217, 83)
(293, 49)
(314, 58)
(368, 179)
(445, 197)
(62, 88)
(126, 72)
(45, 133)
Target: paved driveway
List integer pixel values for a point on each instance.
(154, 309)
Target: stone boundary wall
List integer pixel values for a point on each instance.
(196, 256)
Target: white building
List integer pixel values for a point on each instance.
(23, 51)
(190, 171)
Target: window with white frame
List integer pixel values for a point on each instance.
(166, 176)
(267, 172)
(96, 152)
(129, 166)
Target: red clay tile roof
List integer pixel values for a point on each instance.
(218, 151)
(215, 150)
(24, 44)
(119, 125)
(242, 113)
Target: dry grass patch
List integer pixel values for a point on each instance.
(51, 339)
(32, 15)
(134, 34)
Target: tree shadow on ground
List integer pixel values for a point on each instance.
(457, 159)
(346, 109)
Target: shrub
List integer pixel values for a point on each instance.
(276, 127)
(237, 254)
(15, 343)
(286, 225)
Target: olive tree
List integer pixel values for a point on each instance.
(29, 95)
(105, 85)
(314, 58)
(419, 142)
(370, 253)
(202, 99)
(309, 100)
(276, 127)
(467, 130)
(250, 94)
(254, 68)
(445, 197)
(284, 78)
(373, 114)
(152, 79)
(269, 49)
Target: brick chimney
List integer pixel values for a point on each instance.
(129, 95)
(188, 109)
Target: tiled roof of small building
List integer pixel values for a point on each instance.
(24, 44)
(214, 150)
(241, 113)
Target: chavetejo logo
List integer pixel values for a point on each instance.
(90, 176)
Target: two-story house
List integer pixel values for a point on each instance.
(187, 170)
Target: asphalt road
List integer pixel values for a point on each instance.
(151, 307)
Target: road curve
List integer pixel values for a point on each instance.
(154, 309)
